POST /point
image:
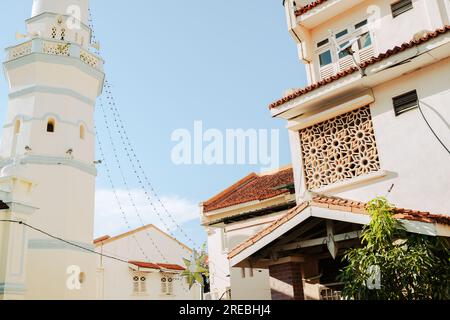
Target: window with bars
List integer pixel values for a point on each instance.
(139, 284)
(405, 102)
(167, 285)
(401, 7)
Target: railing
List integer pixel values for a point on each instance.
(52, 47)
(331, 291)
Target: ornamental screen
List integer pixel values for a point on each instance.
(339, 149)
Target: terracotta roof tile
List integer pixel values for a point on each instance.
(146, 265)
(309, 7)
(157, 266)
(254, 187)
(340, 204)
(365, 64)
(171, 266)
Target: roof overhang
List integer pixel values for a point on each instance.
(324, 11)
(308, 212)
(390, 68)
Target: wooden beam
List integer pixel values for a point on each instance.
(331, 244)
(319, 241)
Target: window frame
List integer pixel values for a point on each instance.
(354, 30)
(139, 285)
(167, 287)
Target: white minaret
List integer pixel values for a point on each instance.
(49, 136)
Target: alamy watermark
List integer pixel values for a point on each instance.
(229, 147)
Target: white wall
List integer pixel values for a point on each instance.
(116, 277)
(414, 160)
(220, 242)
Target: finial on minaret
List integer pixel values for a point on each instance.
(75, 8)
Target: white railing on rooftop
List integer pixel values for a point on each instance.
(54, 47)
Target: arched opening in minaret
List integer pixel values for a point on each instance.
(82, 132)
(17, 127)
(63, 34)
(51, 125)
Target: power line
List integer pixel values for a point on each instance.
(431, 128)
(63, 240)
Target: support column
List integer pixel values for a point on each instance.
(286, 281)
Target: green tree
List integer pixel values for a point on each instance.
(407, 266)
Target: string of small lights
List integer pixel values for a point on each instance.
(129, 150)
(124, 181)
(138, 169)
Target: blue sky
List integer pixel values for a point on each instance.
(172, 63)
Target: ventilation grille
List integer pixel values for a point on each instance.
(401, 7)
(405, 102)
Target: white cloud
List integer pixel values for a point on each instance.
(110, 220)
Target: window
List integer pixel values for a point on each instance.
(82, 132)
(139, 284)
(341, 34)
(17, 127)
(401, 7)
(322, 43)
(405, 102)
(343, 54)
(361, 24)
(167, 285)
(63, 34)
(364, 41)
(54, 33)
(325, 58)
(51, 125)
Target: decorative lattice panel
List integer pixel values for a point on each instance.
(20, 50)
(54, 48)
(90, 59)
(339, 149)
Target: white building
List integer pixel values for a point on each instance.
(48, 153)
(149, 267)
(233, 216)
(373, 121)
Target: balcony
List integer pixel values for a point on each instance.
(56, 48)
(311, 13)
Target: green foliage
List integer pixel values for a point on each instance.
(196, 268)
(412, 266)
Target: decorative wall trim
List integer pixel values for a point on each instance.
(44, 118)
(53, 244)
(339, 149)
(52, 90)
(13, 288)
(49, 160)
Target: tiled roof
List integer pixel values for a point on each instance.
(252, 188)
(157, 266)
(338, 204)
(171, 266)
(365, 64)
(308, 7)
